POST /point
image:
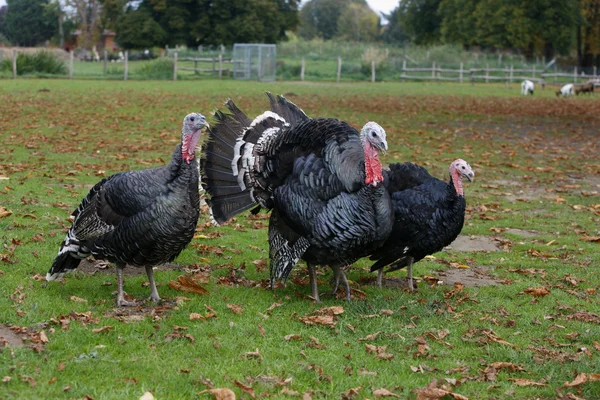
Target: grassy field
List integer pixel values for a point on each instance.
(526, 323)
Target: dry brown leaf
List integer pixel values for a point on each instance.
(4, 212)
(335, 310)
(220, 393)
(586, 238)
(537, 291)
(526, 382)
(372, 336)
(326, 320)
(432, 392)
(292, 336)
(351, 393)
(6, 379)
(43, 337)
(582, 378)
(185, 283)
(253, 354)
(147, 396)
(106, 328)
(289, 392)
(77, 299)
(384, 393)
(245, 388)
(196, 316)
(235, 308)
(506, 365)
(584, 316)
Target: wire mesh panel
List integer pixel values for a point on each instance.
(254, 61)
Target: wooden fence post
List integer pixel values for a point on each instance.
(195, 66)
(555, 74)
(126, 65)
(14, 63)
(433, 70)
(472, 77)
(71, 65)
(460, 76)
(302, 69)
(533, 70)
(575, 74)
(372, 71)
(506, 77)
(339, 69)
(511, 72)
(105, 61)
(213, 59)
(175, 66)
(487, 73)
(220, 66)
(594, 72)
(403, 68)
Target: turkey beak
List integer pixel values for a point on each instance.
(470, 176)
(383, 146)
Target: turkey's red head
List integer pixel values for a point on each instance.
(460, 169)
(373, 139)
(193, 124)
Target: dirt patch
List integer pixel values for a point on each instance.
(522, 232)
(473, 243)
(9, 338)
(92, 267)
(471, 277)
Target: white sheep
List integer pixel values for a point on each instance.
(527, 87)
(566, 90)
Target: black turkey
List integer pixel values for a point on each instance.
(322, 179)
(428, 215)
(141, 218)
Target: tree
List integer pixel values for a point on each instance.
(588, 33)
(137, 30)
(421, 20)
(394, 32)
(88, 17)
(358, 23)
(28, 22)
(458, 21)
(319, 18)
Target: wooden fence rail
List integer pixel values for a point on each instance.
(217, 65)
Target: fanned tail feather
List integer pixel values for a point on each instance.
(228, 158)
(290, 112)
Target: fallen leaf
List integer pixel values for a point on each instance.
(6, 379)
(292, 336)
(526, 382)
(147, 396)
(253, 354)
(583, 378)
(245, 388)
(220, 393)
(326, 320)
(4, 212)
(289, 392)
(43, 337)
(335, 310)
(107, 328)
(384, 393)
(185, 283)
(77, 299)
(235, 308)
(372, 336)
(196, 316)
(506, 365)
(351, 393)
(537, 291)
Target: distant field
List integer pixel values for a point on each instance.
(525, 325)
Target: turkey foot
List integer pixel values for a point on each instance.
(339, 275)
(154, 292)
(312, 273)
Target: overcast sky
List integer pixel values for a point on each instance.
(377, 5)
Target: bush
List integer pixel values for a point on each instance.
(157, 69)
(42, 62)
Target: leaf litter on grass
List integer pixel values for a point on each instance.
(517, 145)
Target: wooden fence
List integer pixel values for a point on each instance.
(217, 65)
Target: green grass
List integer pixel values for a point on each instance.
(536, 162)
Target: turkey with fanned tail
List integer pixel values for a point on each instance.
(140, 218)
(321, 178)
(428, 215)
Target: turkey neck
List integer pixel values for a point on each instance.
(456, 181)
(181, 171)
(373, 172)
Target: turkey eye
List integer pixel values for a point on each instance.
(463, 167)
(192, 119)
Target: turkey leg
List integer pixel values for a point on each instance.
(312, 274)
(154, 292)
(339, 275)
(121, 302)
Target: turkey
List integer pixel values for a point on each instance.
(141, 218)
(321, 179)
(428, 215)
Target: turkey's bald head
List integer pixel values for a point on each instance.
(373, 139)
(193, 124)
(460, 169)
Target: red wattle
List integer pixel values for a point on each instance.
(373, 171)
